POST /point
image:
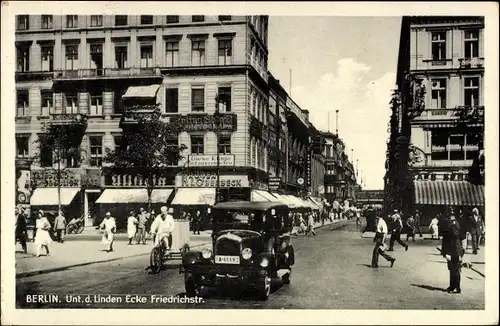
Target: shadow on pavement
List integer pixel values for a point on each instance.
(370, 266)
(429, 287)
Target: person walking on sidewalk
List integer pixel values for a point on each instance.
(410, 223)
(434, 228)
(142, 221)
(109, 227)
(417, 223)
(131, 227)
(21, 230)
(197, 222)
(60, 227)
(475, 229)
(310, 225)
(43, 238)
(380, 237)
(396, 229)
(452, 250)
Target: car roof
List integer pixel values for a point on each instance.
(249, 206)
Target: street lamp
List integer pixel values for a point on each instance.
(217, 116)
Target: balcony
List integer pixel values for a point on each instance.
(467, 63)
(107, 73)
(465, 112)
(76, 119)
(34, 76)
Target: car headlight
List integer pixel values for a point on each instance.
(264, 262)
(206, 253)
(246, 253)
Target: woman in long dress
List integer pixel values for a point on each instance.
(434, 228)
(42, 239)
(131, 227)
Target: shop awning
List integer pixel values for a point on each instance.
(48, 196)
(449, 193)
(261, 195)
(285, 200)
(313, 204)
(149, 91)
(115, 196)
(194, 196)
(298, 202)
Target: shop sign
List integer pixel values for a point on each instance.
(210, 160)
(48, 178)
(93, 178)
(308, 168)
(205, 122)
(256, 184)
(274, 184)
(208, 180)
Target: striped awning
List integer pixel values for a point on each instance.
(149, 91)
(448, 193)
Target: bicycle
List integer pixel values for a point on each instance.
(159, 254)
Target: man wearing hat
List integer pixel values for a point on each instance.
(452, 250)
(397, 228)
(109, 227)
(163, 226)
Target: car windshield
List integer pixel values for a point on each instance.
(241, 218)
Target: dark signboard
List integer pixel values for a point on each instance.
(274, 183)
(205, 122)
(309, 168)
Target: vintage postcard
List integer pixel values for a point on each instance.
(260, 163)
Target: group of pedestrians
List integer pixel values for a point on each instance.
(137, 225)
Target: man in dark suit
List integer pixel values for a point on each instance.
(21, 231)
(475, 229)
(452, 250)
(396, 229)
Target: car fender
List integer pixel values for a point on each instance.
(191, 258)
(262, 256)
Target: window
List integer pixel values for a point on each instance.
(47, 21)
(121, 20)
(439, 46)
(23, 58)
(95, 102)
(146, 56)
(225, 52)
(453, 146)
(71, 57)
(71, 103)
(146, 19)
(225, 144)
(46, 155)
(22, 146)
(172, 100)
(225, 98)
(23, 103)
(198, 99)
(71, 21)
(172, 19)
(198, 18)
(439, 94)
(172, 53)
(198, 52)
(47, 58)
(471, 44)
(121, 56)
(95, 151)
(47, 103)
(96, 58)
(172, 145)
(118, 94)
(471, 91)
(118, 143)
(224, 18)
(95, 20)
(197, 145)
(23, 22)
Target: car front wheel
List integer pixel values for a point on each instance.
(264, 288)
(192, 288)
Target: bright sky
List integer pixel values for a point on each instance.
(346, 64)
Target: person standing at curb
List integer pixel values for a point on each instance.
(310, 225)
(109, 227)
(397, 228)
(60, 227)
(141, 226)
(21, 230)
(452, 250)
(410, 223)
(380, 237)
(131, 226)
(434, 228)
(417, 223)
(43, 238)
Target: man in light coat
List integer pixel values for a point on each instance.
(60, 227)
(109, 227)
(163, 226)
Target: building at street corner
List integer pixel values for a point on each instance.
(437, 125)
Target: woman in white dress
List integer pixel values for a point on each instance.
(42, 239)
(131, 226)
(109, 227)
(434, 228)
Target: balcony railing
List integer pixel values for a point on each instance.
(34, 75)
(69, 118)
(471, 62)
(107, 72)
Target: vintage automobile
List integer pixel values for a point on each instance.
(250, 249)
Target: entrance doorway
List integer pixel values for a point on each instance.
(92, 211)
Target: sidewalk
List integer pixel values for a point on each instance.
(319, 225)
(83, 252)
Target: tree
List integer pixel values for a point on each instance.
(60, 146)
(148, 145)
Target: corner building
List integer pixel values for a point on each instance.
(81, 66)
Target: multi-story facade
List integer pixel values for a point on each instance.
(444, 56)
(82, 65)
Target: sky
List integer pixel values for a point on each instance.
(346, 64)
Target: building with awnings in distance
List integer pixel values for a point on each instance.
(440, 134)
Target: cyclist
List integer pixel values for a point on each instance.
(163, 226)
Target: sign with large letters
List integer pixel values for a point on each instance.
(210, 160)
(205, 122)
(209, 180)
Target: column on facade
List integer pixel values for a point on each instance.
(134, 50)
(35, 54)
(107, 59)
(210, 139)
(107, 103)
(83, 103)
(58, 103)
(58, 53)
(159, 50)
(85, 150)
(83, 53)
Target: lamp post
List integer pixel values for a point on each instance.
(337, 122)
(217, 132)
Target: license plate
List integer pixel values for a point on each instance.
(227, 259)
